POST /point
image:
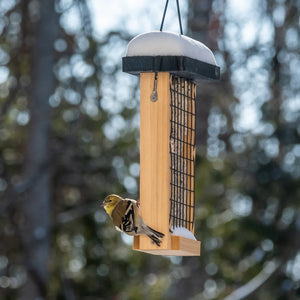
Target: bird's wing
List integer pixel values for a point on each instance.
(124, 216)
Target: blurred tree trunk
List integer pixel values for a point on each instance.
(36, 232)
(202, 26)
(199, 21)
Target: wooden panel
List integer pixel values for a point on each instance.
(180, 246)
(154, 157)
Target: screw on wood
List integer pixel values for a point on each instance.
(154, 96)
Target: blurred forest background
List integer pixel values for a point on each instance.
(69, 135)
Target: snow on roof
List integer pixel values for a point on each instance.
(164, 43)
(182, 231)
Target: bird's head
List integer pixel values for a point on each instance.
(110, 202)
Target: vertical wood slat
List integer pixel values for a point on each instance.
(154, 157)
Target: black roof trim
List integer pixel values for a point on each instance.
(182, 66)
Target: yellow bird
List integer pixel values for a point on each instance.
(126, 217)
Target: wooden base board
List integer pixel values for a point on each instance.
(180, 246)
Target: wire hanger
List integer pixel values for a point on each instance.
(179, 16)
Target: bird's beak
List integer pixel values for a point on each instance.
(103, 204)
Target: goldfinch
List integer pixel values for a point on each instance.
(126, 217)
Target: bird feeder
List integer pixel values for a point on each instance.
(169, 65)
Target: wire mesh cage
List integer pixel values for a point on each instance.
(182, 152)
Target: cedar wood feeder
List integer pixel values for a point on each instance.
(169, 66)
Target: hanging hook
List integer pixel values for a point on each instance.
(164, 15)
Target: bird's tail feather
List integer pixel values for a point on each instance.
(154, 235)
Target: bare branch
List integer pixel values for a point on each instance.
(76, 213)
(244, 291)
(14, 191)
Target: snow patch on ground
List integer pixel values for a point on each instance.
(182, 231)
(164, 43)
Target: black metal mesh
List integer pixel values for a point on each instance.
(182, 151)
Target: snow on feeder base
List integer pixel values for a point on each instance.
(169, 65)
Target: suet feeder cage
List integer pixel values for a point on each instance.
(169, 66)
